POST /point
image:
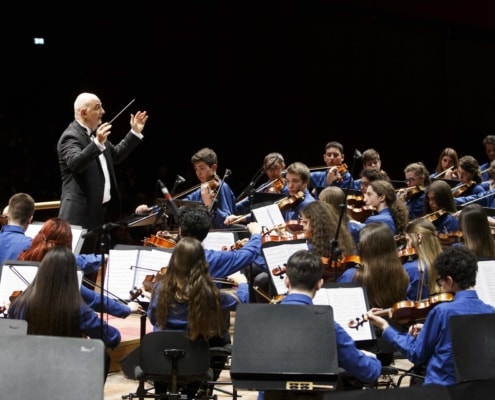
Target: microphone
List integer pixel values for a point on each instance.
(169, 198)
(178, 180)
(357, 154)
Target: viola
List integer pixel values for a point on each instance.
(407, 311)
(290, 201)
(157, 241)
(462, 188)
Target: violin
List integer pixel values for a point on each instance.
(341, 169)
(407, 311)
(14, 295)
(291, 201)
(410, 192)
(150, 280)
(212, 184)
(294, 226)
(277, 185)
(462, 188)
(272, 300)
(282, 238)
(432, 217)
(407, 253)
(447, 239)
(327, 263)
(239, 244)
(156, 241)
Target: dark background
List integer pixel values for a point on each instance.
(407, 78)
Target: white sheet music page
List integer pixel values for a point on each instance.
(485, 281)
(347, 303)
(119, 278)
(15, 278)
(269, 216)
(277, 255)
(216, 240)
(127, 269)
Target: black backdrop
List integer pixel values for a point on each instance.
(247, 78)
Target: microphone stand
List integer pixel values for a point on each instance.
(250, 188)
(213, 205)
(336, 252)
(104, 239)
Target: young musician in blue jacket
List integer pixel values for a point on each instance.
(303, 279)
(213, 192)
(430, 343)
(336, 174)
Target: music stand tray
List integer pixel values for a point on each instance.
(139, 220)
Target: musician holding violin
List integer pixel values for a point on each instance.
(469, 179)
(222, 203)
(423, 246)
(335, 172)
(417, 179)
(274, 168)
(303, 279)
(477, 235)
(430, 343)
(440, 208)
(320, 222)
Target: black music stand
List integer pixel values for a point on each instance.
(452, 182)
(284, 348)
(262, 199)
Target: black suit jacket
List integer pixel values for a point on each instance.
(82, 176)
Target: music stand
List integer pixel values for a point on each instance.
(136, 220)
(77, 234)
(452, 182)
(263, 199)
(285, 347)
(398, 184)
(52, 367)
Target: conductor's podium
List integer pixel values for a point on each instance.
(130, 330)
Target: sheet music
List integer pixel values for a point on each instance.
(269, 216)
(277, 255)
(347, 303)
(14, 278)
(485, 281)
(77, 231)
(122, 276)
(218, 239)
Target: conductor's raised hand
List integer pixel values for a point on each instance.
(138, 121)
(103, 131)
